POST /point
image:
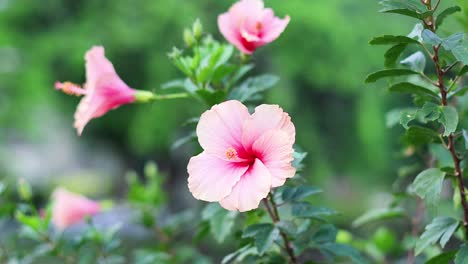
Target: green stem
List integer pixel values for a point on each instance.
(142, 96)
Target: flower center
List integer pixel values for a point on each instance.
(258, 26)
(231, 153)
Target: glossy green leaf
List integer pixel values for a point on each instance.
(298, 193)
(288, 227)
(444, 14)
(461, 52)
(379, 215)
(373, 77)
(221, 220)
(453, 41)
(406, 117)
(239, 254)
(406, 87)
(418, 135)
(463, 70)
(431, 38)
(326, 233)
(298, 159)
(443, 258)
(392, 40)
(343, 250)
(402, 7)
(416, 61)
(306, 210)
(251, 88)
(211, 97)
(392, 54)
(264, 235)
(441, 228)
(429, 112)
(449, 119)
(428, 185)
(462, 255)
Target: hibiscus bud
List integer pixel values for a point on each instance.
(197, 29)
(189, 39)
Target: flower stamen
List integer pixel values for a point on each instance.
(70, 88)
(231, 153)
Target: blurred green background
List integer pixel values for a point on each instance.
(322, 59)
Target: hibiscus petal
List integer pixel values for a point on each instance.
(273, 28)
(252, 187)
(275, 149)
(96, 65)
(265, 118)
(220, 128)
(211, 179)
(231, 32)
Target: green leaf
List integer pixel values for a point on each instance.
(449, 119)
(251, 88)
(306, 210)
(461, 52)
(418, 135)
(287, 227)
(463, 70)
(239, 254)
(325, 234)
(392, 54)
(221, 220)
(428, 185)
(264, 235)
(192, 136)
(211, 97)
(295, 194)
(452, 41)
(392, 40)
(298, 158)
(431, 38)
(174, 84)
(443, 258)
(373, 77)
(378, 215)
(406, 87)
(441, 228)
(406, 117)
(462, 255)
(416, 61)
(444, 14)
(402, 7)
(429, 112)
(342, 250)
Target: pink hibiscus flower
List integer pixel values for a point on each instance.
(248, 25)
(69, 208)
(103, 91)
(244, 155)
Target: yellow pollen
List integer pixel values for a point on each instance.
(258, 26)
(231, 153)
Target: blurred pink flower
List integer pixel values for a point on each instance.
(69, 208)
(244, 155)
(248, 25)
(103, 91)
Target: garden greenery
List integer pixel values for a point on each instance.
(248, 172)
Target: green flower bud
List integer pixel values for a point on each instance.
(197, 29)
(189, 39)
